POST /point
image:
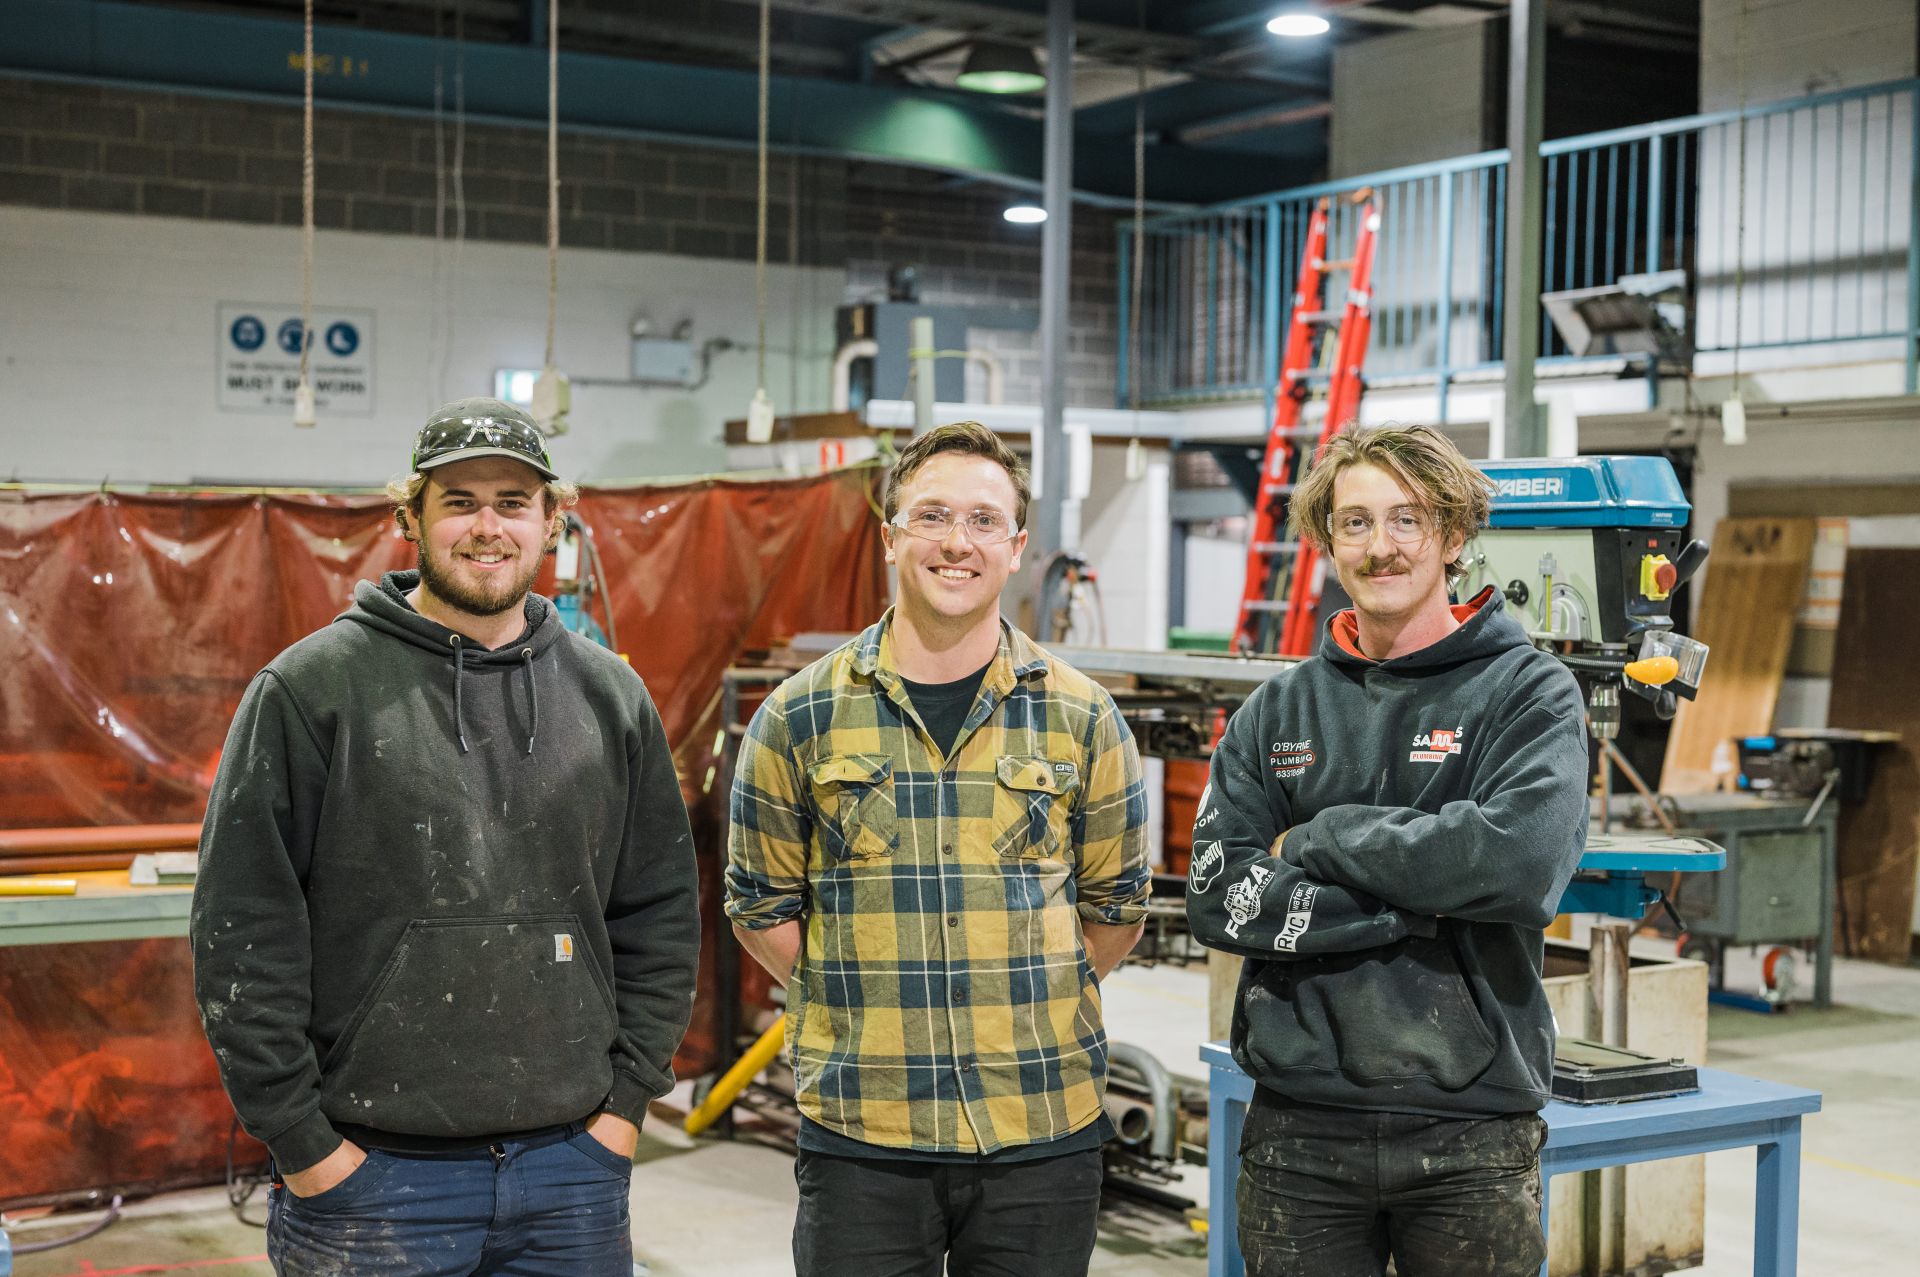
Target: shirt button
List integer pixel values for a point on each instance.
(946, 849)
(966, 1066)
(959, 995)
(953, 920)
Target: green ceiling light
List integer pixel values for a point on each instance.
(1000, 68)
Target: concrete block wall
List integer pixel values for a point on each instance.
(103, 149)
(1797, 48)
(1408, 98)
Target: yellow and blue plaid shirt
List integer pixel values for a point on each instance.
(943, 1000)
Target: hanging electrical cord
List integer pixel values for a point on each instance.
(552, 396)
(303, 407)
(451, 279)
(436, 275)
(1733, 411)
(1136, 464)
(760, 411)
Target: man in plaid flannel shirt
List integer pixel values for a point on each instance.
(938, 846)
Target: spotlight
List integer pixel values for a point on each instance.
(1000, 68)
(1025, 214)
(1298, 26)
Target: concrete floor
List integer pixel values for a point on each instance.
(708, 1209)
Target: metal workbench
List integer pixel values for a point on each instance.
(1778, 884)
(104, 908)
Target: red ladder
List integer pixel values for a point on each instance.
(1283, 578)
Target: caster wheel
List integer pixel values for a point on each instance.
(1689, 947)
(1777, 972)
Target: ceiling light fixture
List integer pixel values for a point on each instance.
(1000, 68)
(1298, 26)
(1025, 214)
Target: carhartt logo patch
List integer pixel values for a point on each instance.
(1434, 747)
(1290, 758)
(562, 947)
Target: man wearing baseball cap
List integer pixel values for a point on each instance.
(444, 931)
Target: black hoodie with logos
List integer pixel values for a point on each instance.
(1433, 808)
(445, 894)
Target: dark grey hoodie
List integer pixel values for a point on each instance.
(1434, 807)
(445, 893)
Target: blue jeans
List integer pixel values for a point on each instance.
(549, 1205)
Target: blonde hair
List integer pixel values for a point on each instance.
(1428, 465)
(409, 490)
(970, 438)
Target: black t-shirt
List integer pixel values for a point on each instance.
(943, 707)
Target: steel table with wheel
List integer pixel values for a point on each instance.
(1728, 1111)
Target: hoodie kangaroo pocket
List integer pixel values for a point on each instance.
(1397, 1013)
(477, 1026)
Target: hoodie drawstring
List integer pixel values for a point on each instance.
(459, 669)
(533, 697)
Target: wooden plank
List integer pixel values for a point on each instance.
(1876, 686)
(1755, 577)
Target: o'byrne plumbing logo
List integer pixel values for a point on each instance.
(1290, 758)
(1433, 747)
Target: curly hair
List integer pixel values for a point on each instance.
(1428, 466)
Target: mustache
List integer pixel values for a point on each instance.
(1371, 565)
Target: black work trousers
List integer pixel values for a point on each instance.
(1336, 1193)
(875, 1217)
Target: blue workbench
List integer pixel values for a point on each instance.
(1729, 1111)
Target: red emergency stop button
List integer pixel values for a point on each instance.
(1657, 576)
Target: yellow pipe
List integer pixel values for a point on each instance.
(735, 1080)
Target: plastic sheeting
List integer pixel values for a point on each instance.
(131, 624)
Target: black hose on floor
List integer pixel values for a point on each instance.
(91, 1230)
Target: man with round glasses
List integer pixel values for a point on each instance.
(938, 847)
(1388, 826)
(445, 927)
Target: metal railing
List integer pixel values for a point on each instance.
(1797, 224)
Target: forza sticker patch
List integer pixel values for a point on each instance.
(1290, 758)
(1209, 858)
(1299, 916)
(1243, 898)
(1434, 747)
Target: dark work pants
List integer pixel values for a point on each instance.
(550, 1206)
(1334, 1193)
(873, 1217)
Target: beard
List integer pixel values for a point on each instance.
(476, 600)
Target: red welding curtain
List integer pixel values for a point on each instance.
(130, 625)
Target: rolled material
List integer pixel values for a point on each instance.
(99, 838)
(65, 864)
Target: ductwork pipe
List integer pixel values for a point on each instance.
(860, 348)
(1159, 1083)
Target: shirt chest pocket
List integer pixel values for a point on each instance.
(1032, 802)
(853, 802)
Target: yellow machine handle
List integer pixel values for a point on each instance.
(1654, 671)
(735, 1079)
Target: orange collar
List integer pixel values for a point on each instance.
(1346, 627)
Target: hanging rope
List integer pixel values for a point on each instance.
(303, 397)
(553, 173)
(1138, 271)
(451, 278)
(760, 230)
(1740, 232)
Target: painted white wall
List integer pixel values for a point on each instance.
(1405, 98)
(108, 342)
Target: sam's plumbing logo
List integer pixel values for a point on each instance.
(1434, 747)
